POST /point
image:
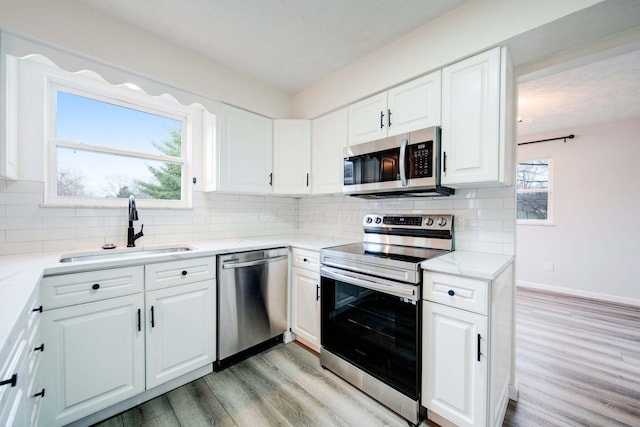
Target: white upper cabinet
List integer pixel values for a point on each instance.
(329, 138)
(292, 156)
(477, 120)
(413, 105)
(8, 117)
(245, 154)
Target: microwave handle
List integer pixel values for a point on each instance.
(403, 162)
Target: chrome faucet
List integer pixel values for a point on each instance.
(132, 236)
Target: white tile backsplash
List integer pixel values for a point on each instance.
(484, 219)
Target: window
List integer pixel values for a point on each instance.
(108, 142)
(533, 192)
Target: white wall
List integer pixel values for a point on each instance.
(473, 27)
(71, 25)
(595, 240)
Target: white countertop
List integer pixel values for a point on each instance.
(474, 264)
(20, 274)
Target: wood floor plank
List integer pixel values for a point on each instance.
(154, 413)
(195, 404)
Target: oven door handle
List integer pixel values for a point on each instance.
(368, 284)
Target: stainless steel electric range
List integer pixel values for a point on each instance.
(371, 313)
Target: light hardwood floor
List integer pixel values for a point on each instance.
(578, 364)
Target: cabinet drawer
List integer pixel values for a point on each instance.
(460, 292)
(77, 288)
(166, 274)
(307, 259)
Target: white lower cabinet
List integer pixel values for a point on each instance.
(180, 331)
(467, 360)
(102, 348)
(94, 357)
(454, 364)
(305, 289)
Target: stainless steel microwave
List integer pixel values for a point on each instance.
(398, 166)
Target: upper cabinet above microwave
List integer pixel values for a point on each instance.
(411, 106)
(478, 121)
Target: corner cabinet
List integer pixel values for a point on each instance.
(305, 288)
(478, 121)
(292, 156)
(329, 138)
(410, 106)
(245, 151)
(467, 348)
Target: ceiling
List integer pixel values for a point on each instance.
(292, 44)
(597, 92)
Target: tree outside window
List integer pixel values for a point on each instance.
(533, 191)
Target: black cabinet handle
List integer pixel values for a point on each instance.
(184, 272)
(307, 179)
(317, 292)
(13, 380)
(444, 162)
(139, 321)
(41, 394)
(37, 309)
(479, 347)
(381, 119)
(271, 179)
(389, 117)
(39, 348)
(451, 292)
(153, 323)
(95, 286)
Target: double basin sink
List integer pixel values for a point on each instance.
(121, 253)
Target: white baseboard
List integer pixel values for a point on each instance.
(578, 293)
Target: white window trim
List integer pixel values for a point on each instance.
(549, 191)
(127, 96)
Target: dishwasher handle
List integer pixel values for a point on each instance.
(226, 265)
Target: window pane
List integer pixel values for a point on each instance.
(533, 175)
(90, 121)
(99, 175)
(533, 205)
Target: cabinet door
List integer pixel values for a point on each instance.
(180, 330)
(329, 139)
(454, 381)
(8, 116)
(94, 357)
(414, 105)
(306, 307)
(368, 119)
(245, 155)
(292, 156)
(471, 109)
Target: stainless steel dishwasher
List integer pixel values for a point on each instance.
(252, 300)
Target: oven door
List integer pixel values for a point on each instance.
(373, 324)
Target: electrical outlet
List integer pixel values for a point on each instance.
(548, 266)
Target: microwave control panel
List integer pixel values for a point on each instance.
(421, 160)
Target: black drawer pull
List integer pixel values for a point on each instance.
(95, 286)
(451, 292)
(41, 394)
(304, 260)
(37, 309)
(39, 348)
(184, 272)
(13, 380)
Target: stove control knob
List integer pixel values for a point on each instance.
(369, 220)
(378, 220)
(428, 222)
(441, 222)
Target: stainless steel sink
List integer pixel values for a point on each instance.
(121, 253)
